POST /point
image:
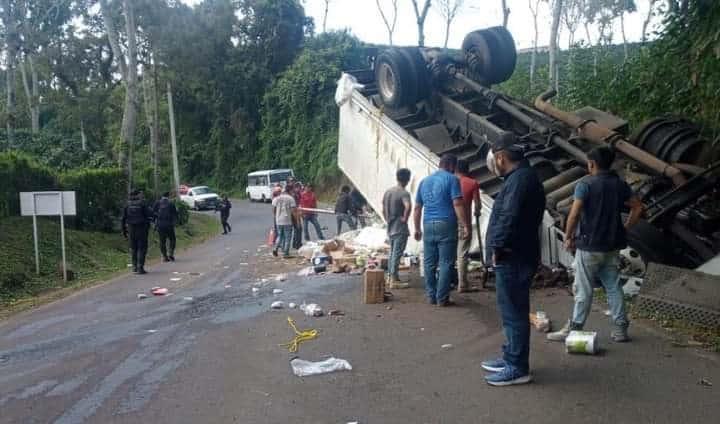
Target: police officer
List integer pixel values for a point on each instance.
(165, 219)
(136, 221)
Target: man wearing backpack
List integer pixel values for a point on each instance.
(224, 207)
(165, 219)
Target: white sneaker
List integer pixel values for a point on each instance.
(560, 335)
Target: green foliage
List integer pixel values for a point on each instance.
(55, 149)
(183, 211)
(20, 172)
(100, 195)
(93, 256)
(300, 118)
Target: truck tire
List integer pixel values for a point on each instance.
(491, 54)
(396, 82)
(419, 71)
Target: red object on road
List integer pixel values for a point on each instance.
(159, 291)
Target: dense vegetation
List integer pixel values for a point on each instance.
(253, 85)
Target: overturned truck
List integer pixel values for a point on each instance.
(414, 104)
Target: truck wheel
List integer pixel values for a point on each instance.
(491, 54)
(418, 73)
(395, 80)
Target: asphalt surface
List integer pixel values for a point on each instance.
(210, 354)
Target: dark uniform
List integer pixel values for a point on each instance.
(165, 219)
(224, 207)
(136, 224)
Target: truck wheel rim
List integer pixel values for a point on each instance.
(386, 81)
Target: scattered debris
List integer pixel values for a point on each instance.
(540, 321)
(389, 307)
(228, 286)
(305, 272)
(312, 310)
(175, 279)
(319, 269)
(447, 346)
(188, 299)
(300, 336)
(336, 313)
(705, 382)
(142, 296)
(302, 368)
(281, 277)
(226, 267)
(422, 328)
(152, 331)
(582, 342)
(255, 289)
(277, 291)
(159, 291)
(277, 305)
(244, 264)
(292, 305)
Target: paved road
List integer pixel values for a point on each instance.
(103, 356)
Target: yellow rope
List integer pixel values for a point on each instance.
(300, 336)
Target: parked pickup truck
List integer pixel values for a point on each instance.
(200, 197)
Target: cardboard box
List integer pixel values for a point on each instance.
(373, 286)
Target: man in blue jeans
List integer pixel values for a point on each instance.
(284, 208)
(513, 247)
(396, 211)
(600, 199)
(439, 203)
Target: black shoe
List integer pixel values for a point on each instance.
(141, 271)
(165, 259)
(275, 252)
(172, 258)
(224, 232)
(229, 229)
(135, 270)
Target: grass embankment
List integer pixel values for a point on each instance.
(92, 256)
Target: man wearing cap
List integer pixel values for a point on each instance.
(513, 247)
(439, 203)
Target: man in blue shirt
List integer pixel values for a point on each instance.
(513, 247)
(599, 202)
(439, 202)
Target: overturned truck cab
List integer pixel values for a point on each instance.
(414, 104)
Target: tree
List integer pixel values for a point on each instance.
(506, 12)
(420, 15)
(389, 23)
(12, 43)
(625, 6)
(572, 16)
(646, 22)
(448, 10)
(325, 15)
(553, 50)
(534, 7)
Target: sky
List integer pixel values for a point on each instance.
(362, 18)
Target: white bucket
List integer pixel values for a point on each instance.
(582, 342)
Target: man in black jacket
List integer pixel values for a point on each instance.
(224, 207)
(136, 220)
(165, 219)
(344, 209)
(513, 247)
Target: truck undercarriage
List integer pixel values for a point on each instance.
(444, 101)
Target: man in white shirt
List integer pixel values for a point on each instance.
(284, 207)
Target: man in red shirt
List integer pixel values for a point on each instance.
(309, 200)
(471, 193)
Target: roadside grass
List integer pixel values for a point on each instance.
(92, 256)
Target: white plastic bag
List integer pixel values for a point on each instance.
(312, 310)
(277, 305)
(302, 368)
(345, 86)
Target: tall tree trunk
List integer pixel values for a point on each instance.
(151, 115)
(12, 42)
(389, 25)
(533, 54)
(325, 15)
(31, 92)
(448, 22)
(109, 22)
(593, 47)
(506, 13)
(420, 16)
(557, 12)
(624, 37)
(83, 137)
(127, 132)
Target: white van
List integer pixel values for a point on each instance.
(260, 183)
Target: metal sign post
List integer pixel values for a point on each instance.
(48, 203)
